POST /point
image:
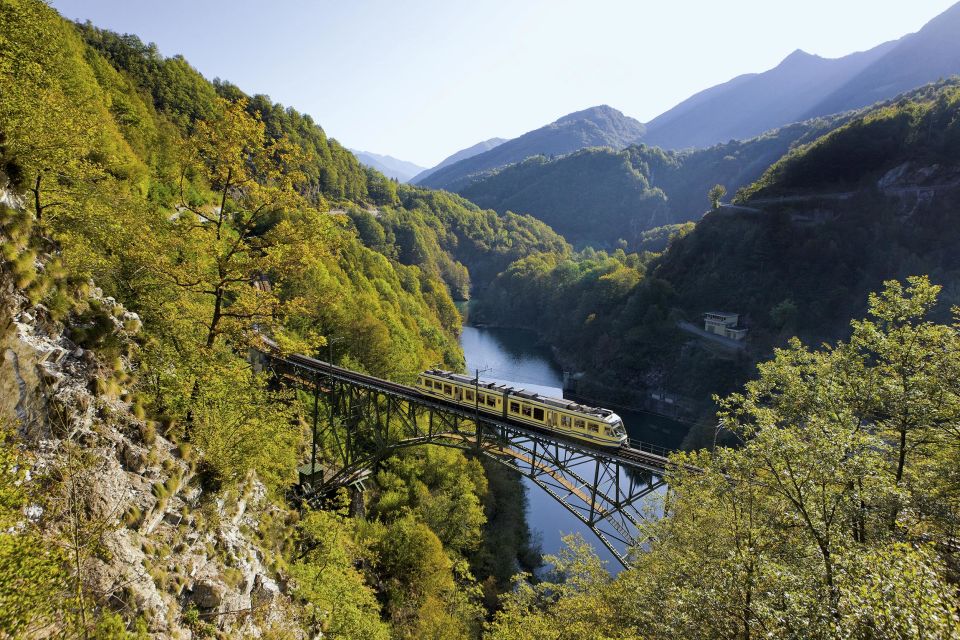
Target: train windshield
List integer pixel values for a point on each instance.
(616, 425)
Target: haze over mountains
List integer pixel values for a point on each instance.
(601, 126)
(388, 165)
(463, 154)
(595, 197)
(803, 86)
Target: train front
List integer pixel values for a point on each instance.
(617, 430)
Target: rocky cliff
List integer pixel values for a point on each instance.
(123, 500)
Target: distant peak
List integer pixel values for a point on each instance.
(799, 54)
(799, 58)
(592, 113)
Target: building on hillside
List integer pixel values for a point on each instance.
(724, 324)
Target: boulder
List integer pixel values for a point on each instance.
(208, 594)
(265, 589)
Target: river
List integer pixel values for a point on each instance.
(513, 356)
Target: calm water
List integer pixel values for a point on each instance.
(512, 356)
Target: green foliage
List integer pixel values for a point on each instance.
(239, 426)
(594, 197)
(715, 195)
(921, 126)
(337, 597)
(420, 592)
(446, 236)
(507, 541)
(816, 526)
(578, 600)
(31, 579)
(441, 487)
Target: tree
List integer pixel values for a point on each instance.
(919, 400)
(789, 533)
(716, 194)
(226, 245)
(578, 599)
(338, 600)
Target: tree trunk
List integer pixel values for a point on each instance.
(36, 197)
(215, 320)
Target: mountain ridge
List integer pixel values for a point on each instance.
(463, 154)
(599, 126)
(389, 166)
(804, 86)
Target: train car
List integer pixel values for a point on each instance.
(597, 426)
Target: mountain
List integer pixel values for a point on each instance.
(876, 198)
(388, 165)
(928, 55)
(598, 196)
(805, 86)
(751, 104)
(601, 126)
(463, 154)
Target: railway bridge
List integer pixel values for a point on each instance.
(362, 419)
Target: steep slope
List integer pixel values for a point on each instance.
(597, 196)
(876, 198)
(751, 104)
(388, 165)
(600, 126)
(463, 154)
(926, 56)
(213, 217)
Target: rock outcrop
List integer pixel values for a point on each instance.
(155, 546)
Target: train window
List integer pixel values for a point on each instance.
(481, 398)
(565, 421)
(491, 401)
(469, 394)
(514, 407)
(447, 389)
(608, 432)
(579, 424)
(538, 414)
(428, 384)
(527, 410)
(594, 427)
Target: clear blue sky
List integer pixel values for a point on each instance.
(420, 79)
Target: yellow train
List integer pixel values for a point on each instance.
(597, 426)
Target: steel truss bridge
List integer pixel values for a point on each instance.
(604, 488)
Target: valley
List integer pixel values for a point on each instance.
(218, 323)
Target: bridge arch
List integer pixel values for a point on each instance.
(603, 488)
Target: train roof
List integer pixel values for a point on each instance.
(559, 403)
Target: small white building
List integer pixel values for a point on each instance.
(724, 324)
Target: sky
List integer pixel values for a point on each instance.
(421, 79)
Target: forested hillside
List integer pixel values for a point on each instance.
(597, 197)
(875, 199)
(152, 223)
